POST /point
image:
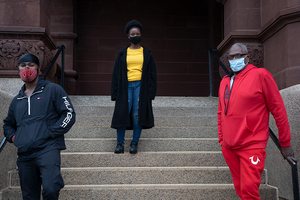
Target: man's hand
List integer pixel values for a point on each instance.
(288, 153)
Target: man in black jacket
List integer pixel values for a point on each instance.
(38, 118)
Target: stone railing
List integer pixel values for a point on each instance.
(279, 171)
(8, 156)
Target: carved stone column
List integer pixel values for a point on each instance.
(24, 28)
(62, 31)
(241, 24)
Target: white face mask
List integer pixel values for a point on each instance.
(237, 65)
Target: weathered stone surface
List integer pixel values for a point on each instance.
(8, 156)
(279, 171)
(150, 192)
(179, 158)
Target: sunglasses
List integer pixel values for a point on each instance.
(236, 56)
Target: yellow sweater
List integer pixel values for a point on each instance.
(135, 60)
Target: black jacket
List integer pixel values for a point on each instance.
(40, 121)
(119, 91)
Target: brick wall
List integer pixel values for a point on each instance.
(177, 32)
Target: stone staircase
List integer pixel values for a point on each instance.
(179, 158)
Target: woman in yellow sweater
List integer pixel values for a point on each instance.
(133, 87)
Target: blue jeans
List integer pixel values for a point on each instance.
(133, 103)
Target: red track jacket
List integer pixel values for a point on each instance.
(243, 112)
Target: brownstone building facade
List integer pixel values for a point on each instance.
(270, 28)
(179, 33)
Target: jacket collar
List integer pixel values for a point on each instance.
(123, 50)
(242, 73)
(39, 87)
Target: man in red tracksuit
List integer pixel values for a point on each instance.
(246, 97)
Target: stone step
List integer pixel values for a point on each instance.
(160, 121)
(160, 101)
(142, 175)
(145, 145)
(155, 132)
(142, 159)
(157, 111)
(149, 191)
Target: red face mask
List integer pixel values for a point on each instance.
(28, 75)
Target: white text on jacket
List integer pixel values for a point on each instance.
(69, 114)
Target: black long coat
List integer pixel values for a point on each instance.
(119, 91)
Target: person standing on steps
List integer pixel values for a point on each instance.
(246, 98)
(133, 87)
(38, 118)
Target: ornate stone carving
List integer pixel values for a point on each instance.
(12, 50)
(255, 52)
(47, 56)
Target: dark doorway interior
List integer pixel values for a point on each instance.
(178, 32)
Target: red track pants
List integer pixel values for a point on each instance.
(246, 167)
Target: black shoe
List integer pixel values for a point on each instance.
(120, 147)
(133, 148)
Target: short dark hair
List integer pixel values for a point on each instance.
(133, 24)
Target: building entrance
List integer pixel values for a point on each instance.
(179, 34)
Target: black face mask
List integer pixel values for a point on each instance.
(135, 39)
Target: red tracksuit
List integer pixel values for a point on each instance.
(243, 125)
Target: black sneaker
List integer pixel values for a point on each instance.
(119, 147)
(133, 147)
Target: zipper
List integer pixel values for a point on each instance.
(28, 99)
(226, 105)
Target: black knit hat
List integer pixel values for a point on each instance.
(29, 58)
(133, 24)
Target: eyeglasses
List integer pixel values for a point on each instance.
(236, 56)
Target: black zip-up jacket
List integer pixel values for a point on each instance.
(40, 121)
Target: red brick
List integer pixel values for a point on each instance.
(179, 78)
(99, 77)
(171, 68)
(177, 33)
(92, 88)
(86, 67)
(182, 89)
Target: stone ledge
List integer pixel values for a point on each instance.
(149, 191)
(27, 32)
(283, 17)
(279, 171)
(11, 86)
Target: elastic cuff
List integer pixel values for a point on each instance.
(285, 144)
(12, 138)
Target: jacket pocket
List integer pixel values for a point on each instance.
(236, 131)
(31, 137)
